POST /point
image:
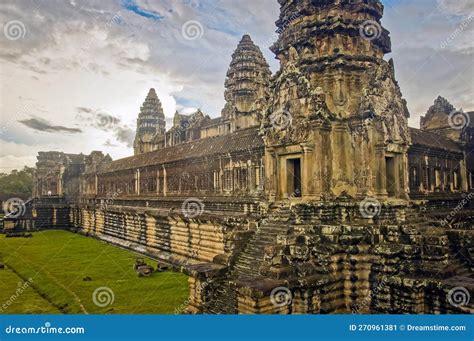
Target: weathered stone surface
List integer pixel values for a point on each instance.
(150, 122)
(312, 209)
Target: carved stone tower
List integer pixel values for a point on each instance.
(150, 122)
(444, 119)
(246, 86)
(336, 125)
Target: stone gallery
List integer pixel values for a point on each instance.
(308, 195)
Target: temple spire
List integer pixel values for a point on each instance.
(246, 84)
(150, 122)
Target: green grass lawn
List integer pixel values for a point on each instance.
(24, 301)
(59, 261)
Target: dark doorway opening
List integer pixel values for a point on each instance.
(390, 176)
(294, 177)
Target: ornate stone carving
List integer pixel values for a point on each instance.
(150, 122)
(246, 84)
(382, 98)
(295, 102)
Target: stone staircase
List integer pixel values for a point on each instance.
(250, 260)
(430, 222)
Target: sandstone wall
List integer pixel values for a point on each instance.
(170, 237)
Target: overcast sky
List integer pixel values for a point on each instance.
(74, 73)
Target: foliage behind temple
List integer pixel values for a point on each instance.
(17, 183)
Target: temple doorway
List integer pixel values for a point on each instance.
(390, 176)
(293, 180)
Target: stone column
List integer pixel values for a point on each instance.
(464, 175)
(406, 175)
(221, 176)
(308, 171)
(397, 169)
(165, 185)
(380, 172)
(158, 181)
(137, 181)
(342, 162)
(270, 174)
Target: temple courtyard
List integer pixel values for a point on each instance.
(56, 272)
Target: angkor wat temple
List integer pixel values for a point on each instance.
(309, 194)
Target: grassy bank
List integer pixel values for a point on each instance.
(66, 270)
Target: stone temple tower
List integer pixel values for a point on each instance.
(336, 125)
(246, 85)
(150, 122)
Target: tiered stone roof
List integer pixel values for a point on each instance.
(437, 114)
(242, 140)
(151, 119)
(307, 24)
(247, 79)
(431, 140)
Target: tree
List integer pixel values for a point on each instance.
(17, 184)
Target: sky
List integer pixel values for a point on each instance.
(74, 73)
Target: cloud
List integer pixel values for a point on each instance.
(77, 56)
(109, 143)
(125, 135)
(42, 125)
(457, 7)
(102, 120)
